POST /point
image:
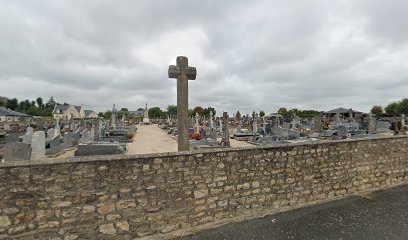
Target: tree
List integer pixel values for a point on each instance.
(12, 104)
(198, 110)
(283, 111)
(51, 103)
(253, 114)
(140, 109)
(156, 112)
(40, 103)
(206, 111)
(238, 115)
(172, 110)
(377, 110)
(392, 109)
(261, 114)
(33, 111)
(100, 114)
(107, 114)
(403, 106)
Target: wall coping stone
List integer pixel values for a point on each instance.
(147, 157)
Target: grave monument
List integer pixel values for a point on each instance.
(183, 73)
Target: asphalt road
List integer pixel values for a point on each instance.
(381, 215)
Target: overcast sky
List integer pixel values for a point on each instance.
(250, 55)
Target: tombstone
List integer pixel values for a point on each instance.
(12, 137)
(403, 122)
(183, 73)
(55, 145)
(57, 128)
(220, 123)
(196, 124)
(38, 146)
(68, 138)
(341, 131)
(89, 149)
(30, 130)
(317, 127)
(225, 133)
(92, 133)
(286, 125)
(50, 134)
(371, 124)
(76, 137)
(239, 127)
(113, 117)
(15, 151)
(27, 137)
(255, 124)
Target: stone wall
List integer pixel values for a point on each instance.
(124, 197)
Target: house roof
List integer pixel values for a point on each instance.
(78, 108)
(88, 112)
(63, 108)
(136, 113)
(7, 112)
(342, 110)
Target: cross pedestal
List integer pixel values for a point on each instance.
(183, 73)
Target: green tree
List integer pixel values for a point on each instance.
(33, 111)
(392, 109)
(100, 114)
(283, 111)
(140, 109)
(377, 110)
(261, 113)
(238, 115)
(253, 114)
(40, 103)
(107, 114)
(156, 112)
(12, 104)
(403, 106)
(172, 110)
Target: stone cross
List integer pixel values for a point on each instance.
(225, 133)
(183, 73)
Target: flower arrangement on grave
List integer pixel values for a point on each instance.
(196, 136)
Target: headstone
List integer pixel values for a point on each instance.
(113, 117)
(29, 130)
(183, 73)
(255, 124)
(68, 138)
(38, 146)
(76, 137)
(371, 124)
(220, 123)
(99, 149)
(341, 131)
(27, 137)
(12, 137)
(197, 130)
(57, 128)
(403, 121)
(50, 133)
(318, 123)
(239, 127)
(54, 145)
(225, 133)
(15, 151)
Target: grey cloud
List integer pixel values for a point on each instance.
(250, 55)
